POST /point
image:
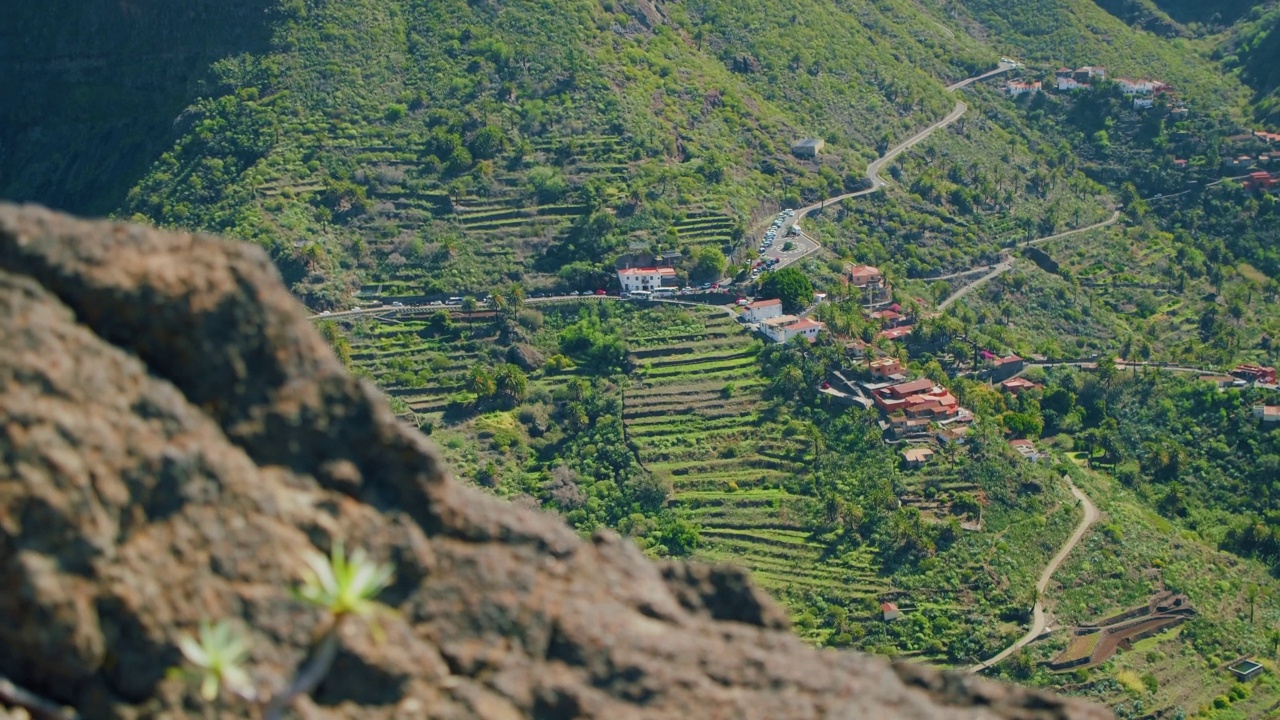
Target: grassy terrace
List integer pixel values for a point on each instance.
(696, 412)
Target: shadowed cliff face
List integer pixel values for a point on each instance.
(91, 88)
(174, 436)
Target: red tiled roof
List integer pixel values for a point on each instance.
(911, 388)
(805, 324)
(648, 271)
(764, 303)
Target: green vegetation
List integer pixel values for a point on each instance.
(791, 286)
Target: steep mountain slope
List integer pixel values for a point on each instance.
(92, 89)
(488, 141)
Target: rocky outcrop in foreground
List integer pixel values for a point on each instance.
(176, 436)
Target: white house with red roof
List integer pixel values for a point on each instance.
(645, 278)
(784, 327)
(762, 310)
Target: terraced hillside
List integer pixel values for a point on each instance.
(697, 415)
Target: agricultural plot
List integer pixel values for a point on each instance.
(697, 414)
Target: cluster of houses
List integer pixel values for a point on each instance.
(776, 325)
(1260, 178)
(1144, 92)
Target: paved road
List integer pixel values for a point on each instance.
(421, 309)
(997, 270)
(805, 245)
(1039, 620)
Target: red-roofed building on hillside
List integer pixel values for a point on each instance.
(784, 327)
(1260, 180)
(890, 611)
(885, 367)
(1255, 373)
(1267, 413)
(895, 333)
(647, 278)
(1016, 385)
(873, 284)
(1003, 368)
(762, 310)
(1267, 136)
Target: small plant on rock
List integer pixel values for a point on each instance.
(218, 653)
(344, 586)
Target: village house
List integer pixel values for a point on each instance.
(782, 328)
(873, 284)
(1141, 87)
(1221, 381)
(855, 348)
(954, 435)
(937, 404)
(885, 367)
(890, 611)
(916, 457)
(1143, 103)
(1180, 163)
(1268, 137)
(1267, 413)
(1179, 113)
(808, 148)
(901, 427)
(762, 310)
(1260, 180)
(647, 279)
(1079, 78)
(1017, 87)
(1015, 386)
(891, 317)
(1003, 368)
(1026, 449)
(895, 333)
(1068, 83)
(1255, 373)
(1242, 162)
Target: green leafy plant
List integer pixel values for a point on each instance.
(218, 652)
(345, 586)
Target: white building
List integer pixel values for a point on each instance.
(762, 310)
(1134, 87)
(1142, 103)
(632, 279)
(1016, 88)
(1070, 83)
(784, 327)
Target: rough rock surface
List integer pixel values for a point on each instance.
(175, 436)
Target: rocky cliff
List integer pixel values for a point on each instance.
(176, 436)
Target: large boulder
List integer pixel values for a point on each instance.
(174, 438)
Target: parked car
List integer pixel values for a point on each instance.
(600, 292)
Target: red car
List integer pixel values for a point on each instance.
(826, 386)
(600, 292)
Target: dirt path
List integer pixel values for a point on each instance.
(1038, 618)
(997, 270)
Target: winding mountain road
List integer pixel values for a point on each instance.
(809, 245)
(1039, 620)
